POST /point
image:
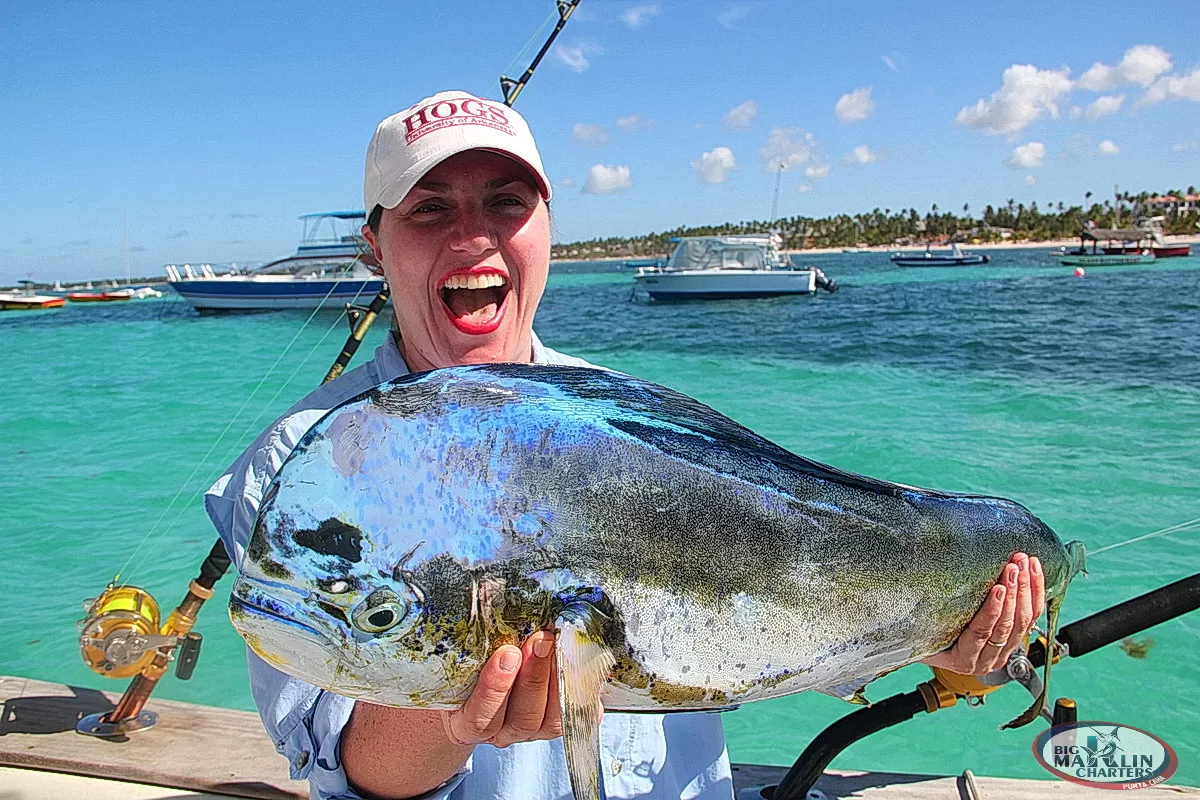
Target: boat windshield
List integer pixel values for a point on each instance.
(727, 252)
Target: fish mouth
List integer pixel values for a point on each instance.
(252, 600)
(475, 299)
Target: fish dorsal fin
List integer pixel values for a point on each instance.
(584, 664)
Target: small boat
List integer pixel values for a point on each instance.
(1153, 227)
(856, 250)
(1122, 246)
(25, 299)
(725, 267)
(331, 267)
(99, 297)
(957, 257)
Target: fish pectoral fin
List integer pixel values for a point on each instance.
(1035, 710)
(851, 691)
(584, 664)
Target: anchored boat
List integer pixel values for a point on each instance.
(957, 257)
(331, 267)
(1117, 249)
(724, 267)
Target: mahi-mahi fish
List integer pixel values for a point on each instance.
(683, 561)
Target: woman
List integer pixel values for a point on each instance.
(460, 224)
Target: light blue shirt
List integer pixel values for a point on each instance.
(649, 756)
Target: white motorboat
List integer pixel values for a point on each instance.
(331, 267)
(723, 267)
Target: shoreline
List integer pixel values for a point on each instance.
(1049, 244)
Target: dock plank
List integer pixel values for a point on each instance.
(225, 752)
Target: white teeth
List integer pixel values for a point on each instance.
(485, 281)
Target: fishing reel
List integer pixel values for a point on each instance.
(121, 636)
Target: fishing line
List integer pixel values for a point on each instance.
(255, 423)
(525, 47)
(154, 529)
(1181, 527)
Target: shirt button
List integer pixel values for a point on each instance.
(616, 767)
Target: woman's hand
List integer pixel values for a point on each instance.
(1013, 605)
(515, 698)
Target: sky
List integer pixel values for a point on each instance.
(200, 132)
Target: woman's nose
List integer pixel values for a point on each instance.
(472, 233)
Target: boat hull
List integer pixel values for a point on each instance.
(726, 284)
(1106, 259)
(939, 261)
(29, 303)
(1173, 251)
(264, 293)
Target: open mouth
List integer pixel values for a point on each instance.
(475, 301)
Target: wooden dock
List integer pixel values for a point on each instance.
(201, 751)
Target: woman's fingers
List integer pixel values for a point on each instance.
(529, 698)
(1038, 582)
(1020, 619)
(482, 716)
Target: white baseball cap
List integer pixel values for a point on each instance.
(409, 144)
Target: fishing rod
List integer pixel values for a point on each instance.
(947, 688)
(121, 636)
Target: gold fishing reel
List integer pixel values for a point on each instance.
(121, 636)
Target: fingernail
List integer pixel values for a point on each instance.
(510, 660)
(1023, 564)
(1036, 565)
(998, 592)
(1012, 576)
(543, 646)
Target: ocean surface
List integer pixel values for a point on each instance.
(1078, 397)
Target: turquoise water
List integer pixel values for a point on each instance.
(1079, 397)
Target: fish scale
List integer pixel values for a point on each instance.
(685, 562)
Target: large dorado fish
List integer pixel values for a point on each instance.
(684, 561)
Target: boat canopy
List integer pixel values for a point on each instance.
(750, 251)
(1113, 234)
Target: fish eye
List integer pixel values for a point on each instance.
(379, 613)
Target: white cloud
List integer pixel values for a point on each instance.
(1030, 180)
(632, 123)
(1105, 105)
(891, 62)
(1173, 87)
(817, 171)
(862, 155)
(1076, 112)
(567, 182)
(787, 148)
(1027, 156)
(576, 56)
(637, 16)
(855, 106)
(1107, 148)
(739, 119)
(804, 187)
(605, 179)
(732, 15)
(713, 166)
(1141, 65)
(1183, 147)
(593, 135)
(1026, 94)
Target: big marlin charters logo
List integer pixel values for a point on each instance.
(1105, 755)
